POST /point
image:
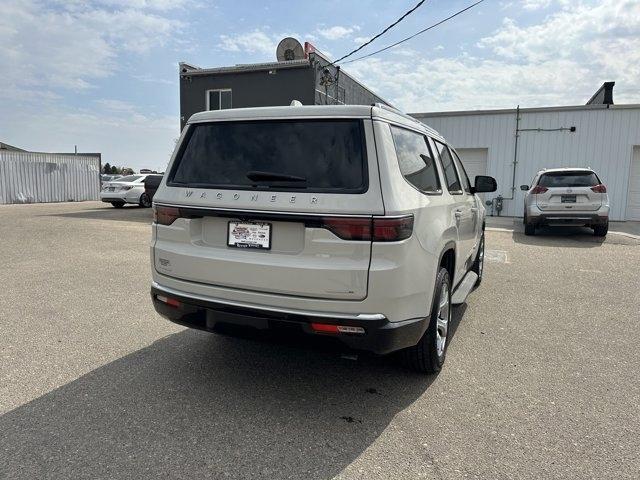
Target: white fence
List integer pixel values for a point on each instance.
(27, 177)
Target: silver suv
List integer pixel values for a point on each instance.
(566, 196)
(356, 222)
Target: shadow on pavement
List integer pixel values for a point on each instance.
(195, 405)
(572, 237)
(128, 213)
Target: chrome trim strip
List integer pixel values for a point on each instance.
(291, 311)
(265, 212)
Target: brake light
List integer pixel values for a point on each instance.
(165, 215)
(600, 188)
(378, 229)
(538, 189)
(348, 228)
(392, 229)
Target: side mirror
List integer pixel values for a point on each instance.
(484, 184)
(524, 188)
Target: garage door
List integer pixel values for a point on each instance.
(474, 161)
(633, 201)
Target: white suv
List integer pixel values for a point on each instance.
(566, 196)
(356, 222)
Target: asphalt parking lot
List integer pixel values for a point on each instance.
(541, 379)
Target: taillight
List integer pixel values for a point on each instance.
(348, 228)
(378, 229)
(392, 229)
(165, 215)
(538, 189)
(599, 188)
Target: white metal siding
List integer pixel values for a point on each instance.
(603, 140)
(474, 161)
(633, 202)
(27, 177)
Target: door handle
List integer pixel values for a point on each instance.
(474, 209)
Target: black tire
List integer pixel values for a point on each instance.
(478, 264)
(601, 230)
(529, 227)
(117, 204)
(145, 201)
(425, 356)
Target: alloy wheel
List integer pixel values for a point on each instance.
(443, 320)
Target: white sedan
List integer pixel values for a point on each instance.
(129, 189)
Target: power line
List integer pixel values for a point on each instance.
(381, 33)
(415, 34)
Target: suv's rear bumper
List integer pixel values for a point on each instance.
(380, 335)
(573, 219)
(544, 217)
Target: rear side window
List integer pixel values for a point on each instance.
(287, 155)
(568, 179)
(415, 160)
(450, 173)
(463, 173)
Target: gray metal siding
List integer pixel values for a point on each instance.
(27, 177)
(249, 89)
(603, 140)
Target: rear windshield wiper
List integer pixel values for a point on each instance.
(257, 176)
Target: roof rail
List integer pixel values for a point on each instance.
(389, 108)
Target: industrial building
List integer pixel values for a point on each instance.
(512, 145)
(302, 74)
(32, 177)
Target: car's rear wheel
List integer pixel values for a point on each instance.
(145, 201)
(529, 227)
(429, 354)
(117, 204)
(601, 230)
(478, 265)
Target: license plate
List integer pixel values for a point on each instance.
(249, 235)
(567, 198)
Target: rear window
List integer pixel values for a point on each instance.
(311, 155)
(568, 179)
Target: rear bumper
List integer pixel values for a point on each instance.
(544, 217)
(380, 335)
(127, 196)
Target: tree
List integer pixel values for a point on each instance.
(107, 168)
(114, 169)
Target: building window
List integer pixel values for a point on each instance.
(218, 99)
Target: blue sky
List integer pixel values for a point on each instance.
(103, 75)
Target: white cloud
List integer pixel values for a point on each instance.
(252, 42)
(336, 32)
(69, 45)
(361, 40)
(561, 60)
(57, 50)
(536, 4)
